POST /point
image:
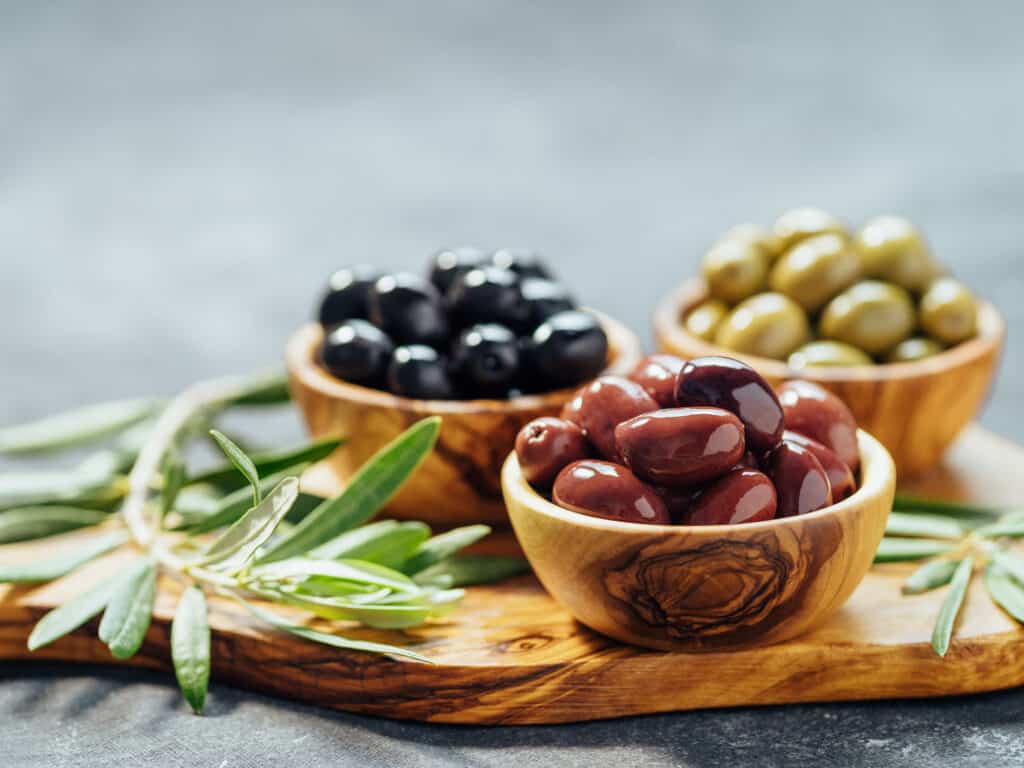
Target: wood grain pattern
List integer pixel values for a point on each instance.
(459, 482)
(915, 409)
(512, 655)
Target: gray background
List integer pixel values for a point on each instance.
(177, 179)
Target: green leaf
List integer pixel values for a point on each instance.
(928, 526)
(241, 462)
(190, 647)
(376, 616)
(197, 503)
(174, 481)
(56, 487)
(370, 488)
(298, 569)
(894, 550)
(345, 544)
(263, 389)
(230, 508)
(130, 611)
(25, 523)
(391, 547)
(1005, 591)
(1008, 561)
(226, 477)
(929, 576)
(467, 570)
(951, 606)
(74, 613)
(237, 545)
(77, 427)
(969, 513)
(443, 546)
(1009, 529)
(52, 568)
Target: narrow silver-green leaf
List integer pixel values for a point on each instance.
(1008, 529)
(356, 571)
(190, 647)
(56, 487)
(345, 544)
(929, 576)
(74, 613)
(443, 546)
(240, 461)
(237, 545)
(370, 488)
(893, 550)
(76, 427)
(51, 568)
(943, 631)
(129, 612)
(923, 525)
(338, 609)
(263, 389)
(174, 481)
(227, 479)
(230, 508)
(467, 570)
(970, 513)
(391, 548)
(1009, 561)
(25, 523)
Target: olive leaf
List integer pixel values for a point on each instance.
(1005, 528)
(467, 570)
(56, 487)
(228, 509)
(390, 547)
(968, 513)
(931, 575)
(943, 631)
(350, 542)
(355, 571)
(241, 462)
(75, 612)
(76, 427)
(25, 523)
(52, 568)
(928, 526)
(129, 611)
(892, 550)
(400, 616)
(366, 492)
(262, 389)
(174, 481)
(1008, 561)
(226, 477)
(444, 545)
(190, 647)
(1005, 591)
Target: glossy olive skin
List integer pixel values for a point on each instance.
(949, 311)
(657, 374)
(734, 269)
(816, 269)
(722, 382)
(418, 371)
(603, 489)
(565, 349)
(544, 298)
(871, 315)
(766, 325)
(604, 404)
(912, 349)
(892, 249)
(800, 481)
(358, 352)
(820, 415)
(801, 223)
(448, 263)
(739, 496)
(827, 353)
(485, 359)
(703, 320)
(546, 446)
(840, 477)
(408, 309)
(681, 446)
(679, 501)
(347, 294)
(487, 295)
(523, 262)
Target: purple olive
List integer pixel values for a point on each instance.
(800, 480)
(603, 489)
(722, 382)
(741, 496)
(657, 374)
(603, 405)
(840, 477)
(545, 446)
(681, 446)
(820, 415)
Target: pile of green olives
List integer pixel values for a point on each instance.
(813, 293)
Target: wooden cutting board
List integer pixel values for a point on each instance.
(511, 655)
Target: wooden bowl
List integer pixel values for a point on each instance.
(915, 409)
(459, 482)
(703, 588)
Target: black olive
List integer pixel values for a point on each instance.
(523, 262)
(485, 360)
(419, 371)
(358, 352)
(544, 298)
(408, 309)
(447, 264)
(487, 295)
(347, 291)
(566, 349)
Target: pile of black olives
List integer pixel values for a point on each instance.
(477, 326)
(699, 442)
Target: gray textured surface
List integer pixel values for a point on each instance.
(176, 179)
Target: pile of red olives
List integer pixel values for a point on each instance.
(478, 326)
(699, 442)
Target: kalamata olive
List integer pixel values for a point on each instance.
(748, 461)
(566, 349)
(726, 383)
(448, 263)
(347, 293)
(607, 402)
(603, 489)
(544, 298)
(485, 359)
(547, 445)
(800, 481)
(679, 501)
(358, 352)
(840, 478)
(817, 413)
(419, 371)
(522, 261)
(681, 446)
(740, 496)
(657, 374)
(487, 295)
(408, 309)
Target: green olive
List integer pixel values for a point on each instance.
(827, 353)
(703, 320)
(916, 348)
(735, 268)
(892, 249)
(949, 311)
(816, 269)
(767, 325)
(800, 223)
(872, 315)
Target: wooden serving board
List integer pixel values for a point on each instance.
(511, 655)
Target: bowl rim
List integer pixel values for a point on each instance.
(878, 471)
(669, 330)
(625, 350)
